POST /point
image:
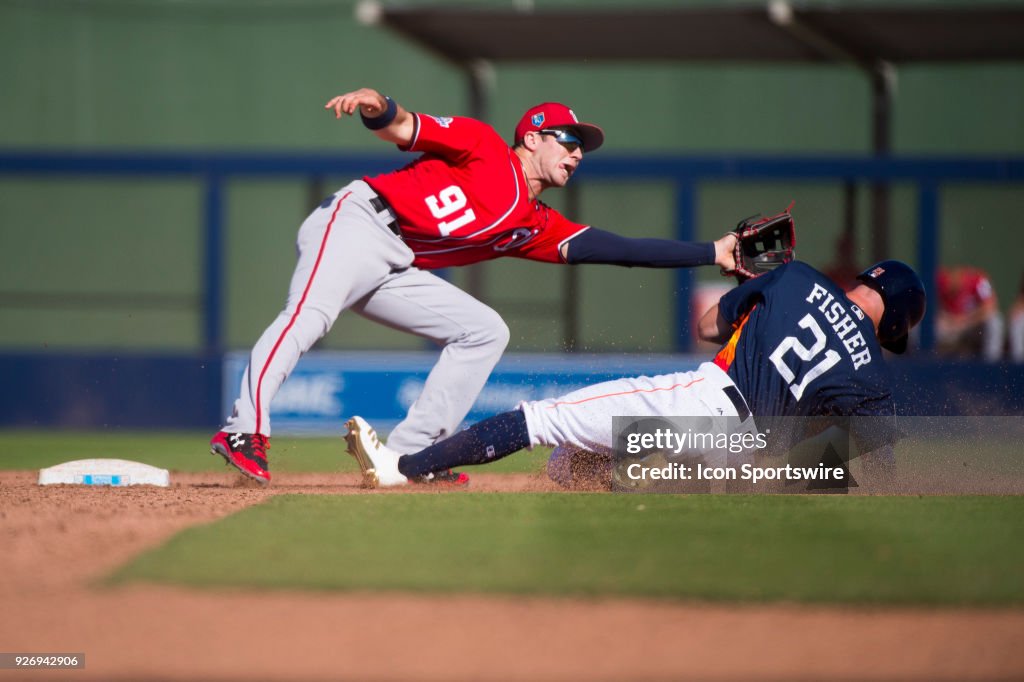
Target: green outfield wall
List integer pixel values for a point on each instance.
(115, 263)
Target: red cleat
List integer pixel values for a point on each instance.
(247, 452)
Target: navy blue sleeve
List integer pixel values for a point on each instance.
(608, 248)
(737, 302)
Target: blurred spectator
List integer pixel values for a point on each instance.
(1015, 327)
(969, 323)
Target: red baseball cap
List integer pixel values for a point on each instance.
(555, 115)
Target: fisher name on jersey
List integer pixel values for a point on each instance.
(800, 347)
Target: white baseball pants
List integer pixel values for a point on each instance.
(583, 418)
(349, 258)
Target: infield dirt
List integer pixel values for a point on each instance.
(58, 541)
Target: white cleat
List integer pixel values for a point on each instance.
(378, 463)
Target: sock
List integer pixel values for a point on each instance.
(485, 441)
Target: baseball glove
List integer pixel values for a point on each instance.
(763, 244)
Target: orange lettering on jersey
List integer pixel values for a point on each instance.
(727, 353)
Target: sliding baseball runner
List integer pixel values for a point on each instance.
(795, 345)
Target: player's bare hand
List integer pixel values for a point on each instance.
(725, 252)
(369, 101)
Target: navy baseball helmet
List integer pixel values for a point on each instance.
(903, 294)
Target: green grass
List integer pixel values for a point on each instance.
(190, 451)
(898, 550)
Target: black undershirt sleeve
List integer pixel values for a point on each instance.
(598, 246)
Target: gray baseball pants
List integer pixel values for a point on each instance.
(348, 258)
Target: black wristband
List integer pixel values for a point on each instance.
(385, 119)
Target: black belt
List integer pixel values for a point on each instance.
(734, 396)
(381, 206)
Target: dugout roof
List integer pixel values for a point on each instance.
(775, 31)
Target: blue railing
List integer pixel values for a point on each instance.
(213, 169)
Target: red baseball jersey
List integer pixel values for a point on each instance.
(964, 291)
(466, 200)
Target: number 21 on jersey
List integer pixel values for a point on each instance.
(445, 204)
(791, 343)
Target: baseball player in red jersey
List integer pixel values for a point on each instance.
(467, 198)
(969, 321)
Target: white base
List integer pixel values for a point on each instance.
(112, 472)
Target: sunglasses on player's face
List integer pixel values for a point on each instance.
(565, 138)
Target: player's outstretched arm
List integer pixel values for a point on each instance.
(725, 252)
(395, 123)
(713, 327)
(598, 246)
